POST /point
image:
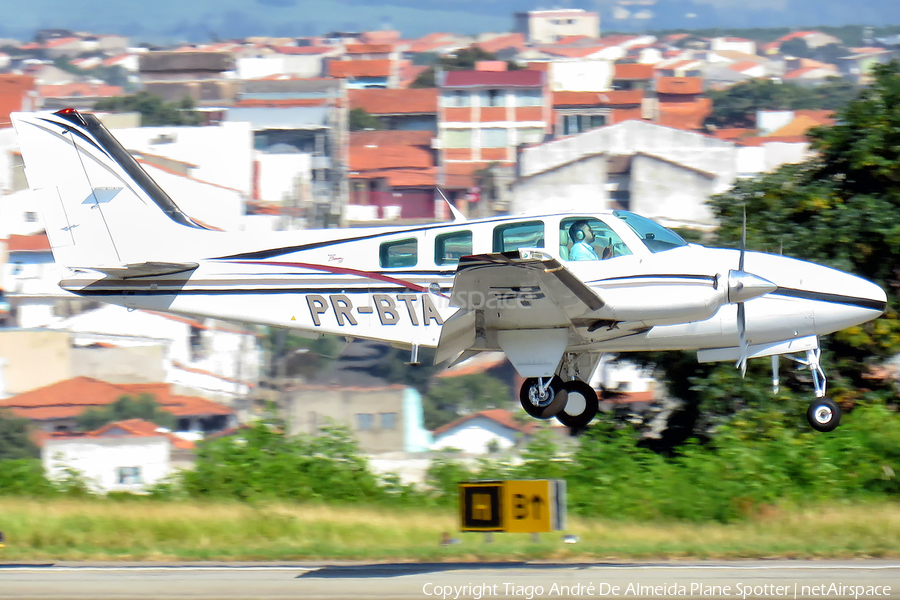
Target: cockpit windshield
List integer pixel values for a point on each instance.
(656, 237)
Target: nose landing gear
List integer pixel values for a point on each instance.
(823, 414)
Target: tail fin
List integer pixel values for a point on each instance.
(100, 208)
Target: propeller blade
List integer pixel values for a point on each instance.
(745, 347)
(743, 241)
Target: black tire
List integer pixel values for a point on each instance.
(823, 414)
(581, 405)
(545, 407)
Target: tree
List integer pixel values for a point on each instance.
(361, 120)
(154, 110)
(15, 438)
(450, 397)
(737, 106)
(461, 60)
(143, 407)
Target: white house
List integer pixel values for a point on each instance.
(126, 456)
(482, 432)
(214, 359)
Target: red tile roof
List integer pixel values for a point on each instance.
(347, 69)
(636, 72)
(742, 66)
(610, 98)
(380, 37)
(71, 397)
(367, 158)
(55, 43)
(498, 415)
(571, 52)
(303, 49)
(28, 243)
(685, 115)
(521, 78)
(67, 90)
(409, 72)
(395, 102)
(369, 48)
(502, 42)
(679, 85)
(127, 428)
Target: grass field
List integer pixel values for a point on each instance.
(157, 531)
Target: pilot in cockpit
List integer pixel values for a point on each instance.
(582, 237)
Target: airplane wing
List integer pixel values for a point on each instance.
(526, 290)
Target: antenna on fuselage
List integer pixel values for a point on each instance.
(458, 217)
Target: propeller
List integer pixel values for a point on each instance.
(743, 286)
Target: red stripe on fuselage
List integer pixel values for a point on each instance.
(337, 271)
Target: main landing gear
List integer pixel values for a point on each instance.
(573, 402)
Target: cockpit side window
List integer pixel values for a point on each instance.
(656, 237)
(587, 238)
(512, 236)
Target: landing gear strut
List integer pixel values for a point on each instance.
(542, 397)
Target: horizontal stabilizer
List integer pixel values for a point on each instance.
(144, 269)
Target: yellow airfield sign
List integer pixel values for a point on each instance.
(516, 506)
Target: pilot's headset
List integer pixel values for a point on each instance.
(576, 230)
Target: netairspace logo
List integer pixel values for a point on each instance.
(738, 590)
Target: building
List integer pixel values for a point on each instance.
(17, 93)
(483, 432)
(307, 116)
(125, 456)
(407, 110)
(577, 112)
(56, 407)
(383, 418)
(200, 76)
(657, 171)
(548, 26)
(30, 279)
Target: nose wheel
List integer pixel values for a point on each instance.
(542, 397)
(581, 405)
(823, 414)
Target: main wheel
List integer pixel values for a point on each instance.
(823, 414)
(542, 405)
(581, 405)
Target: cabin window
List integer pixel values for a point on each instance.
(586, 238)
(511, 237)
(449, 247)
(401, 253)
(656, 237)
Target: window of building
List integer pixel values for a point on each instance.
(449, 247)
(400, 253)
(494, 137)
(17, 268)
(531, 135)
(456, 99)
(388, 420)
(511, 237)
(586, 238)
(365, 421)
(573, 124)
(457, 138)
(31, 217)
(493, 98)
(129, 475)
(529, 98)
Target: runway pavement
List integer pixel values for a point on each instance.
(734, 579)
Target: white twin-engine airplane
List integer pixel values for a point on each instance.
(553, 291)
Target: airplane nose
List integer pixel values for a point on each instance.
(847, 302)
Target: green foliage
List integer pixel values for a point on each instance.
(24, 477)
(737, 106)
(450, 397)
(461, 60)
(154, 110)
(143, 407)
(15, 438)
(361, 120)
(264, 463)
